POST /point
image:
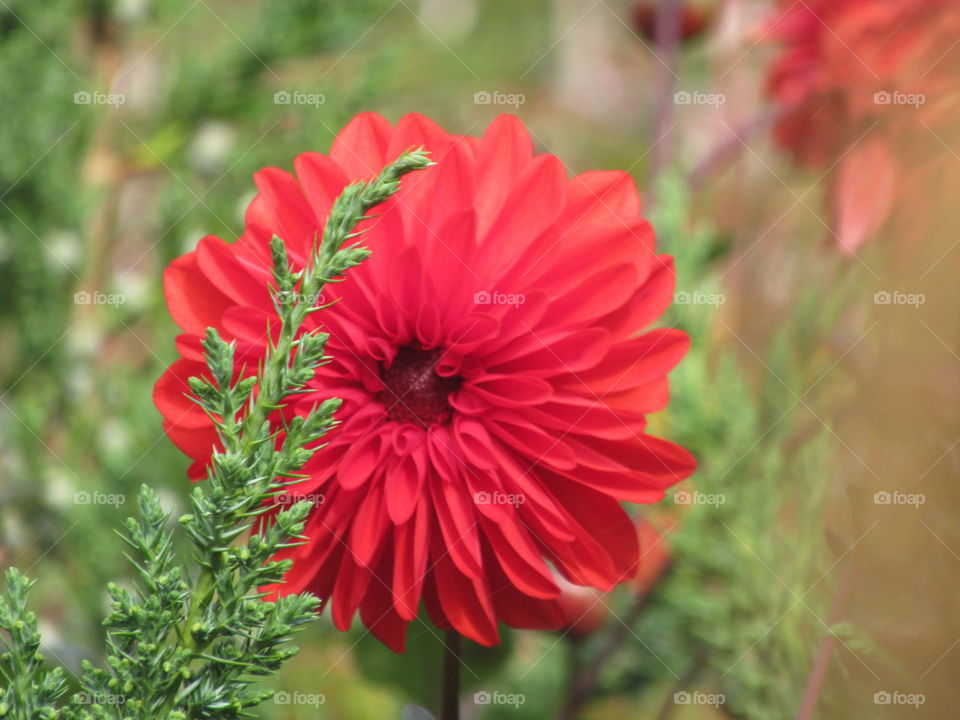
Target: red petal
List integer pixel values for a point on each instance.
(170, 395)
(458, 521)
(531, 208)
(505, 151)
(410, 562)
(361, 147)
(466, 604)
(635, 362)
(195, 303)
(404, 484)
(512, 390)
(322, 180)
(866, 184)
(521, 559)
(292, 220)
(531, 441)
(361, 461)
(378, 614)
(369, 528)
(602, 197)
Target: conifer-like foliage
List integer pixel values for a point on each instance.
(191, 640)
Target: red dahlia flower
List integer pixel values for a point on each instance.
(859, 82)
(494, 384)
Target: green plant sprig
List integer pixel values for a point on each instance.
(193, 647)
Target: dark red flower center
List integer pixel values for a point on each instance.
(414, 392)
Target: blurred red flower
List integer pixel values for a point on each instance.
(694, 19)
(585, 609)
(494, 384)
(855, 79)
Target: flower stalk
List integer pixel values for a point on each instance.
(450, 685)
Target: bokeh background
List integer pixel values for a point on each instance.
(809, 569)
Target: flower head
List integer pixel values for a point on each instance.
(494, 378)
(694, 19)
(867, 90)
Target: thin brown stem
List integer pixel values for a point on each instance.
(818, 673)
(450, 688)
(724, 154)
